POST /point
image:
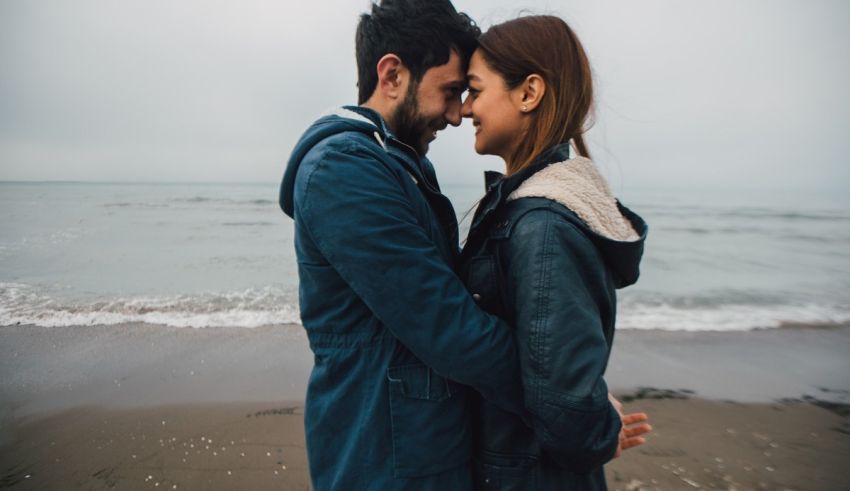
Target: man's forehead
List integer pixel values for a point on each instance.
(449, 73)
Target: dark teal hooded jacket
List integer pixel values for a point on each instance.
(393, 329)
(551, 271)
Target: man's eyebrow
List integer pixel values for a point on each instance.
(455, 84)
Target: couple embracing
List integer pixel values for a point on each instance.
(443, 369)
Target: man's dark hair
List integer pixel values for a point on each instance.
(421, 32)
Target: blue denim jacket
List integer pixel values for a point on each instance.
(535, 263)
(396, 336)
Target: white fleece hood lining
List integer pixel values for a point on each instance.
(348, 114)
(578, 185)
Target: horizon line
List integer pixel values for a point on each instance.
(75, 181)
(787, 187)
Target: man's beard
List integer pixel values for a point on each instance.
(410, 127)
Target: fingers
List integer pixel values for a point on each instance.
(634, 425)
(633, 418)
(633, 431)
(627, 442)
(631, 442)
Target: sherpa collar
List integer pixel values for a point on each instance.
(577, 184)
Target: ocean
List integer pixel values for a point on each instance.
(207, 255)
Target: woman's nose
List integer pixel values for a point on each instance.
(466, 107)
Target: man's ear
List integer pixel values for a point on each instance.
(530, 93)
(393, 77)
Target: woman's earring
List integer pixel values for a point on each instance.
(524, 108)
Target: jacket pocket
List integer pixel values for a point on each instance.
(504, 472)
(430, 430)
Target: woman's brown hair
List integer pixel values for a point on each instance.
(545, 45)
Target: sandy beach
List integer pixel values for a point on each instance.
(149, 407)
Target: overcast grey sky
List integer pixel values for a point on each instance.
(722, 93)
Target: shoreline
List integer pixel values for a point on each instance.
(131, 365)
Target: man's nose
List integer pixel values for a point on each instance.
(453, 112)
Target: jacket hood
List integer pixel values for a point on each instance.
(348, 118)
(617, 232)
(577, 184)
(574, 183)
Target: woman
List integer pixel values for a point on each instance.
(547, 248)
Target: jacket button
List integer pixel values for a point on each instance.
(476, 297)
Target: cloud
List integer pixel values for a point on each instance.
(715, 93)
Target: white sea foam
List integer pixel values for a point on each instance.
(23, 304)
(255, 307)
(739, 317)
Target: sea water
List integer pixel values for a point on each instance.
(206, 255)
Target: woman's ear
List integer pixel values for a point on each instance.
(531, 92)
(393, 77)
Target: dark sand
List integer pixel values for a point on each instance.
(222, 446)
(697, 444)
(135, 407)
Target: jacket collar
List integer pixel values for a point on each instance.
(420, 168)
(499, 186)
(353, 119)
(578, 185)
(365, 115)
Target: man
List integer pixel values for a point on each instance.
(393, 330)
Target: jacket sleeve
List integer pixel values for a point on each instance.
(553, 278)
(357, 213)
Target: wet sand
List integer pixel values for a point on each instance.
(697, 444)
(204, 447)
(135, 407)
